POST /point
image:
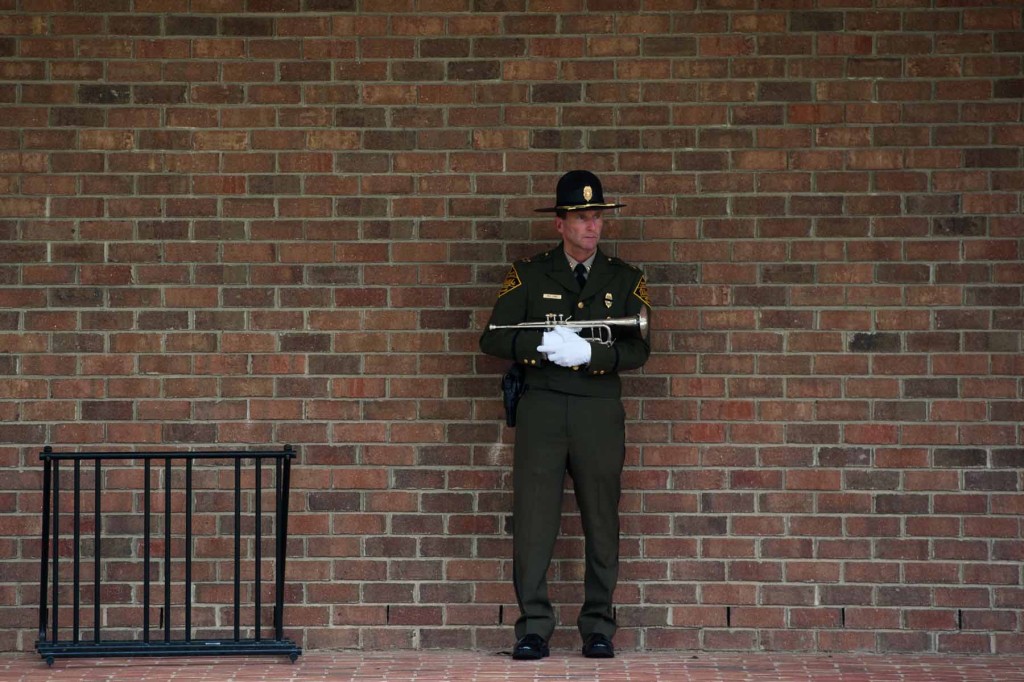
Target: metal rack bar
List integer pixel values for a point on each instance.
(49, 644)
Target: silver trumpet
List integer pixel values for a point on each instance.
(600, 330)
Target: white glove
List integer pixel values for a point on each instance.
(565, 347)
(551, 338)
(549, 342)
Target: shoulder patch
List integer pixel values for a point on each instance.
(511, 282)
(640, 291)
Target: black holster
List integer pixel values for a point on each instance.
(513, 385)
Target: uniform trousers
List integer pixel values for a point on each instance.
(584, 436)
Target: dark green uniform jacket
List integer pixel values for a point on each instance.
(544, 284)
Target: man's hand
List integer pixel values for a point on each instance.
(563, 346)
(550, 339)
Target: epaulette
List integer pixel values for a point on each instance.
(537, 258)
(615, 260)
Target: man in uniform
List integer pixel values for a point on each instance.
(571, 417)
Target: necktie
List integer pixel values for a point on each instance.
(581, 274)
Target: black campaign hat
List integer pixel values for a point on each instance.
(578, 190)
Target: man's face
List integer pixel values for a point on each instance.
(581, 231)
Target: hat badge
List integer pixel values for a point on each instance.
(588, 193)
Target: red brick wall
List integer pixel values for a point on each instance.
(284, 221)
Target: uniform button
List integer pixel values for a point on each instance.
(580, 305)
(575, 368)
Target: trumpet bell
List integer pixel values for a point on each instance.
(640, 321)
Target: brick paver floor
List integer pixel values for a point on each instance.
(562, 666)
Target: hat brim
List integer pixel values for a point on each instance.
(576, 207)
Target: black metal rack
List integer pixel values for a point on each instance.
(173, 641)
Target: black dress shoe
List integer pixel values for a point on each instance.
(530, 648)
(598, 646)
